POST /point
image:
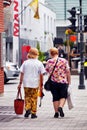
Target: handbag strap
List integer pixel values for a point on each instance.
(53, 68)
(19, 94)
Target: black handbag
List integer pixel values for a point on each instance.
(47, 85)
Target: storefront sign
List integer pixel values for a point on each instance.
(16, 19)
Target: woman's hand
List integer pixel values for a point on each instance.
(19, 86)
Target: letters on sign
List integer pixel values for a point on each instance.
(16, 19)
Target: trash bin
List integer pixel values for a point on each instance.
(85, 69)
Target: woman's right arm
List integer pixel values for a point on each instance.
(21, 80)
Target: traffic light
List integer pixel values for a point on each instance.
(72, 19)
(85, 23)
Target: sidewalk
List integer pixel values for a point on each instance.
(75, 119)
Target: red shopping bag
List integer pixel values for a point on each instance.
(19, 103)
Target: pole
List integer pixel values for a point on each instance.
(81, 76)
(68, 50)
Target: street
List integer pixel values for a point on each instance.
(75, 119)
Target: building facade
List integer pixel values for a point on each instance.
(24, 29)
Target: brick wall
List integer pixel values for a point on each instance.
(1, 30)
(1, 17)
(1, 81)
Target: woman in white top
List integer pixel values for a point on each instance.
(32, 71)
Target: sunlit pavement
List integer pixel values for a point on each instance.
(75, 119)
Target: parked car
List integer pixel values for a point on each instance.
(11, 71)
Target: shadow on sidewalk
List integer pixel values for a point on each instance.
(7, 114)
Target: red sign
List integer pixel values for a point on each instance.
(16, 19)
(25, 50)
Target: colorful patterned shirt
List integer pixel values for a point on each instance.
(60, 72)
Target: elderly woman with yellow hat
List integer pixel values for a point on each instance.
(32, 71)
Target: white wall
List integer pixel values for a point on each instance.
(62, 23)
(34, 29)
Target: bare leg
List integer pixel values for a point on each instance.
(73, 65)
(60, 110)
(56, 105)
(62, 102)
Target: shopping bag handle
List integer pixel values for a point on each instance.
(19, 94)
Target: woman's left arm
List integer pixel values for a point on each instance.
(69, 76)
(68, 73)
(41, 81)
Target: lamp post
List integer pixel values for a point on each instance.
(81, 76)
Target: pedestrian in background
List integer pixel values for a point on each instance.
(60, 80)
(74, 58)
(61, 51)
(31, 75)
(58, 43)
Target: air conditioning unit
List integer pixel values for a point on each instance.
(6, 3)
